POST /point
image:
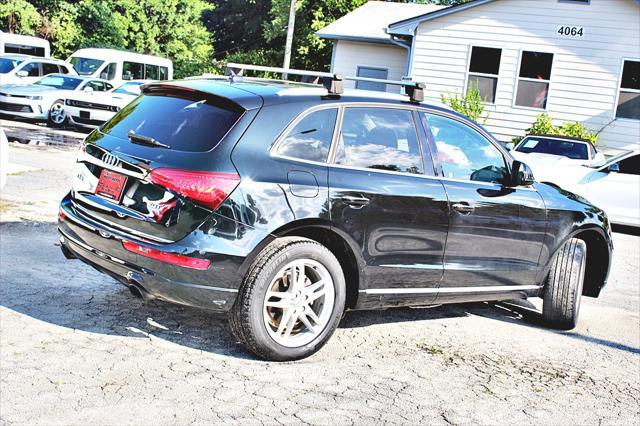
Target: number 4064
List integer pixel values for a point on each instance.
(571, 31)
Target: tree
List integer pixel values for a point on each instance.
(169, 28)
(18, 16)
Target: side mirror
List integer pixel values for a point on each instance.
(88, 89)
(521, 174)
(22, 74)
(615, 168)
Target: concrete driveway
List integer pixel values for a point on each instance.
(77, 348)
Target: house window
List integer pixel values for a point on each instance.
(533, 79)
(483, 71)
(629, 95)
(369, 72)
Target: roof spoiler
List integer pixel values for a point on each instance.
(332, 82)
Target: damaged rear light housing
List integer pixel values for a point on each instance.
(208, 189)
(163, 256)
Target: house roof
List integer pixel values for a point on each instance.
(369, 21)
(407, 26)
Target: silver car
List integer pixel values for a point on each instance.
(44, 100)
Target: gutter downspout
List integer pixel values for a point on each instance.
(406, 44)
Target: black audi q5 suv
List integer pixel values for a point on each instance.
(284, 205)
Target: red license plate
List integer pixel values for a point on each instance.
(111, 185)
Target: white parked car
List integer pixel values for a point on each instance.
(92, 109)
(23, 69)
(24, 44)
(118, 66)
(548, 153)
(44, 100)
(613, 185)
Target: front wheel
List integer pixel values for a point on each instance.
(563, 289)
(57, 116)
(291, 300)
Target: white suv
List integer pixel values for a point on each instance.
(23, 69)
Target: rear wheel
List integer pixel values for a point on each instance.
(57, 116)
(563, 289)
(291, 300)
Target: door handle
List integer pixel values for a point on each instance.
(463, 208)
(355, 202)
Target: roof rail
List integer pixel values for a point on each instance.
(332, 82)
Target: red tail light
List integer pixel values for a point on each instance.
(163, 256)
(207, 188)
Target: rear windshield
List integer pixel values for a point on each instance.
(184, 123)
(573, 150)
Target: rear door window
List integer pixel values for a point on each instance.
(48, 68)
(310, 139)
(184, 122)
(379, 138)
(132, 71)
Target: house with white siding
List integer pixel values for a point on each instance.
(577, 60)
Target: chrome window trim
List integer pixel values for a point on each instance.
(443, 290)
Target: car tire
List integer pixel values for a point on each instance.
(291, 300)
(57, 116)
(563, 288)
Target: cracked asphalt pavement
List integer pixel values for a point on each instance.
(77, 348)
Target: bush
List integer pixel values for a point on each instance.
(544, 126)
(470, 105)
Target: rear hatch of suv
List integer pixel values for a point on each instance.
(159, 168)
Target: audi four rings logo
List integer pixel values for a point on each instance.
(110, 159)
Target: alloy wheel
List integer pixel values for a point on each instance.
(56, 113)
(299, 302)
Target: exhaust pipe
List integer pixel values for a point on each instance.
(136, 288)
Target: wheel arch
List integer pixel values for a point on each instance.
(598, 257)
(343, 249)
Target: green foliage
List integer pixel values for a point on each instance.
(168, 28)
(18, 16)
(543, 125)
(470, 105)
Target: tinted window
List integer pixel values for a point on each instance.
(184, 123)
(32, 68)
(311, 138)
(379, 138)
(85, 66)
(368, 72)
(132, 71)
(24, 50)
(7, 65)
(164, 73)
(464, 153)
(109, 72)
(630, 166)
(151, 72)
(48, 68)
(574, 150)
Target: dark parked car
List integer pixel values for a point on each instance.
(284, 205)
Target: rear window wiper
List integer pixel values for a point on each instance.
(146, 140)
